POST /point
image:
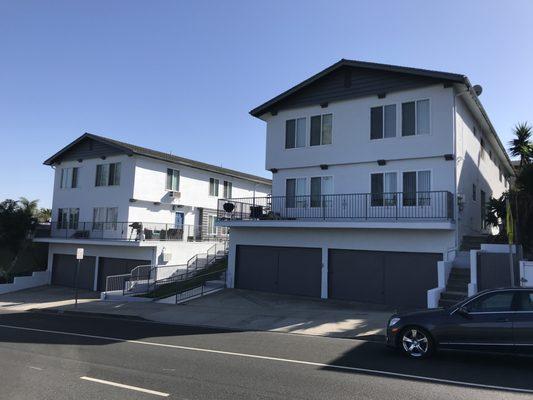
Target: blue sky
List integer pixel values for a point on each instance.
(181, 76)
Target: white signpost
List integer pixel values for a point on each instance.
(79, 257)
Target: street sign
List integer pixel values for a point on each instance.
(79, 254)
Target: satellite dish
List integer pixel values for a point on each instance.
(478, 90)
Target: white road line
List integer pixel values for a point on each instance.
(284, 360)
(120, 385)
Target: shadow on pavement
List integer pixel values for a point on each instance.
(487, 369)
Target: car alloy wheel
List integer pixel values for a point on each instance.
(416, 343)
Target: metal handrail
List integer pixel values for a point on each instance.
(419, 205)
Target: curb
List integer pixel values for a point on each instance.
(57, 311)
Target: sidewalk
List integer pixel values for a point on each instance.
(249, 310)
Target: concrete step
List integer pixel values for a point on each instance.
(453, 296)
(461, 287)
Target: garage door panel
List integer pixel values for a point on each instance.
(257, 268)
(108, 266)
(300, 271)
(356, 275)
(408, 277)
(64, 271)
(285, 270)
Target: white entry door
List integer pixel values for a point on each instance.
(526, 273)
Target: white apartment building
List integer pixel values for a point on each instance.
(127, 206)
(379, 172)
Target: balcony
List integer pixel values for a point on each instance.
(127, 231)
(435, 206)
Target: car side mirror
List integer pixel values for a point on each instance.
(462, 311)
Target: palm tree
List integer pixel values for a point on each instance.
(521, 145)
(44, 214)
(29, 207)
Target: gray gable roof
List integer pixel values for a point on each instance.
(349, 79)
(90, 145)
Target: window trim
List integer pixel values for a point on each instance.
(306, 133)
(383, 121)
(383, 172)
(215, 186)
(430, 133)
(321, 130)
(166, 180)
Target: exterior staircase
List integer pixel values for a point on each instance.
(473, 242)
(457, 285)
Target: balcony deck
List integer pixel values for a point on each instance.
(415, 210)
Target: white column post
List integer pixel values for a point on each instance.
(325, 266)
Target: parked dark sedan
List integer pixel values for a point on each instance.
(493, 320)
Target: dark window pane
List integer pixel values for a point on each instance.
(74, 177)
(169, 179)
(409, 188)
(408, 119)
(376, 189)
(316, 191)
(525, 301)
(376, 122)
(390, 121)
(492, 303)
(290, 192)
(315, 130)
(98, 181)
(111, 174)
(290, 134)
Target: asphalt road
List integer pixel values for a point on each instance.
(45, 356)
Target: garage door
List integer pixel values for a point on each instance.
(397, 279)
(286, 270)
(64, 271)
(115, 266)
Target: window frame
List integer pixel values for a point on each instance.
(70, 181)
(383, 121)
(296, 203)
(480, 297)
(227, 189)
(296, 119)
(214, 184)
(321, 130)
(170, 180)
(417, 189)
(111, 177)
(416, 117)
(386, 201)
(321, 201)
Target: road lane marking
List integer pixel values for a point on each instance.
(284, 360)
(121, 385)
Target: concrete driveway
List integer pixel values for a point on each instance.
(250, 310)
(44, 297)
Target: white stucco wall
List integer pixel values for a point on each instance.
(473, 169)
(351, 141)
(87, 196)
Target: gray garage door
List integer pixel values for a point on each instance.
(115, 266)
(286, 270)
(64, 271)
(393, 278)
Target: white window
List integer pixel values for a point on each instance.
(173, 180)
(107, 174)
(383, 122)
(383, 189)
(321, 129)
(416, 188)
(105, 218)
(69, 178)
(213, 187)
(295, 193)
(211, 227)
(228, 189)
(295, 133)
(68, 218)
(415, 118)
(321, 187)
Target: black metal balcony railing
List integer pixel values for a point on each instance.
(129, 231)
(435, 206)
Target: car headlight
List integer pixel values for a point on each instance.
(394, 321)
